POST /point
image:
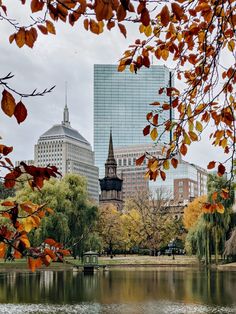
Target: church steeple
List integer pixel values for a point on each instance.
(110, 165)
(66, 120)
(111, 184)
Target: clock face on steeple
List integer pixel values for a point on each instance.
(110, 170)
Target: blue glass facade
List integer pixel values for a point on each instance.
(121, 102)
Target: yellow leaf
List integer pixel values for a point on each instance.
(224, 142)
(199, 126)
(28, 224)
(154, 134)
(186, 139)
(154, 165)
(220, 208)
(165, 54)
(148, 31)
(231, 45)
(179, 37)
(166, 164)
(142, 28)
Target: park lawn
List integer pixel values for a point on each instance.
(119, 260)
(142, 260)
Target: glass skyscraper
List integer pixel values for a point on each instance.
(121, 102)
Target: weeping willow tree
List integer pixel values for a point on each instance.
(208, 235)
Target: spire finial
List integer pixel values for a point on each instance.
(110, 151)
(66, 120)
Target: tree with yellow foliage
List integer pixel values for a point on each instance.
(193, 211)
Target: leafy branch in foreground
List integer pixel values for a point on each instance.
(23, 218)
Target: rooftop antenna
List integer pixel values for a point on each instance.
(66, 93)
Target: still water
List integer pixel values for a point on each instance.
(123, 291)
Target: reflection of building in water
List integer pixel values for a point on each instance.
(47, 279)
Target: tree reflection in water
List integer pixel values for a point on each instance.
(123, 288)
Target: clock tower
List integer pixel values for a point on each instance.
(111, 184)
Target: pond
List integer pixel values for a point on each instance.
(129, 291)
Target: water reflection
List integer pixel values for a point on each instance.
(119, 291)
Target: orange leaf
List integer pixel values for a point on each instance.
(122, 29)
(30, 37)
(174, 162)
(163, 175)
(165, 16)
(211, 165)
(43, 29)
(2, 249)
(224, 194)
(50, 253)
(24, 239)
(36, 5)
(50, 242)
(183, 149)
(46, 260)
(20, 37)
(50, 27)
(214, 196)
(86, 24)
(20, 112)
(31, 263)
(8, 103)
(220, 208)
(193, 136)
(8, 203)
(140, 160)
(12, 37)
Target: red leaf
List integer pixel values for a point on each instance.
(221, 170)
(177, 10)
(50, 242)
(20, 112)
(174, 162)
(211, 165)
(165, 16)
(146, 130)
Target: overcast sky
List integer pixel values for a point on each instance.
(68, 56)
